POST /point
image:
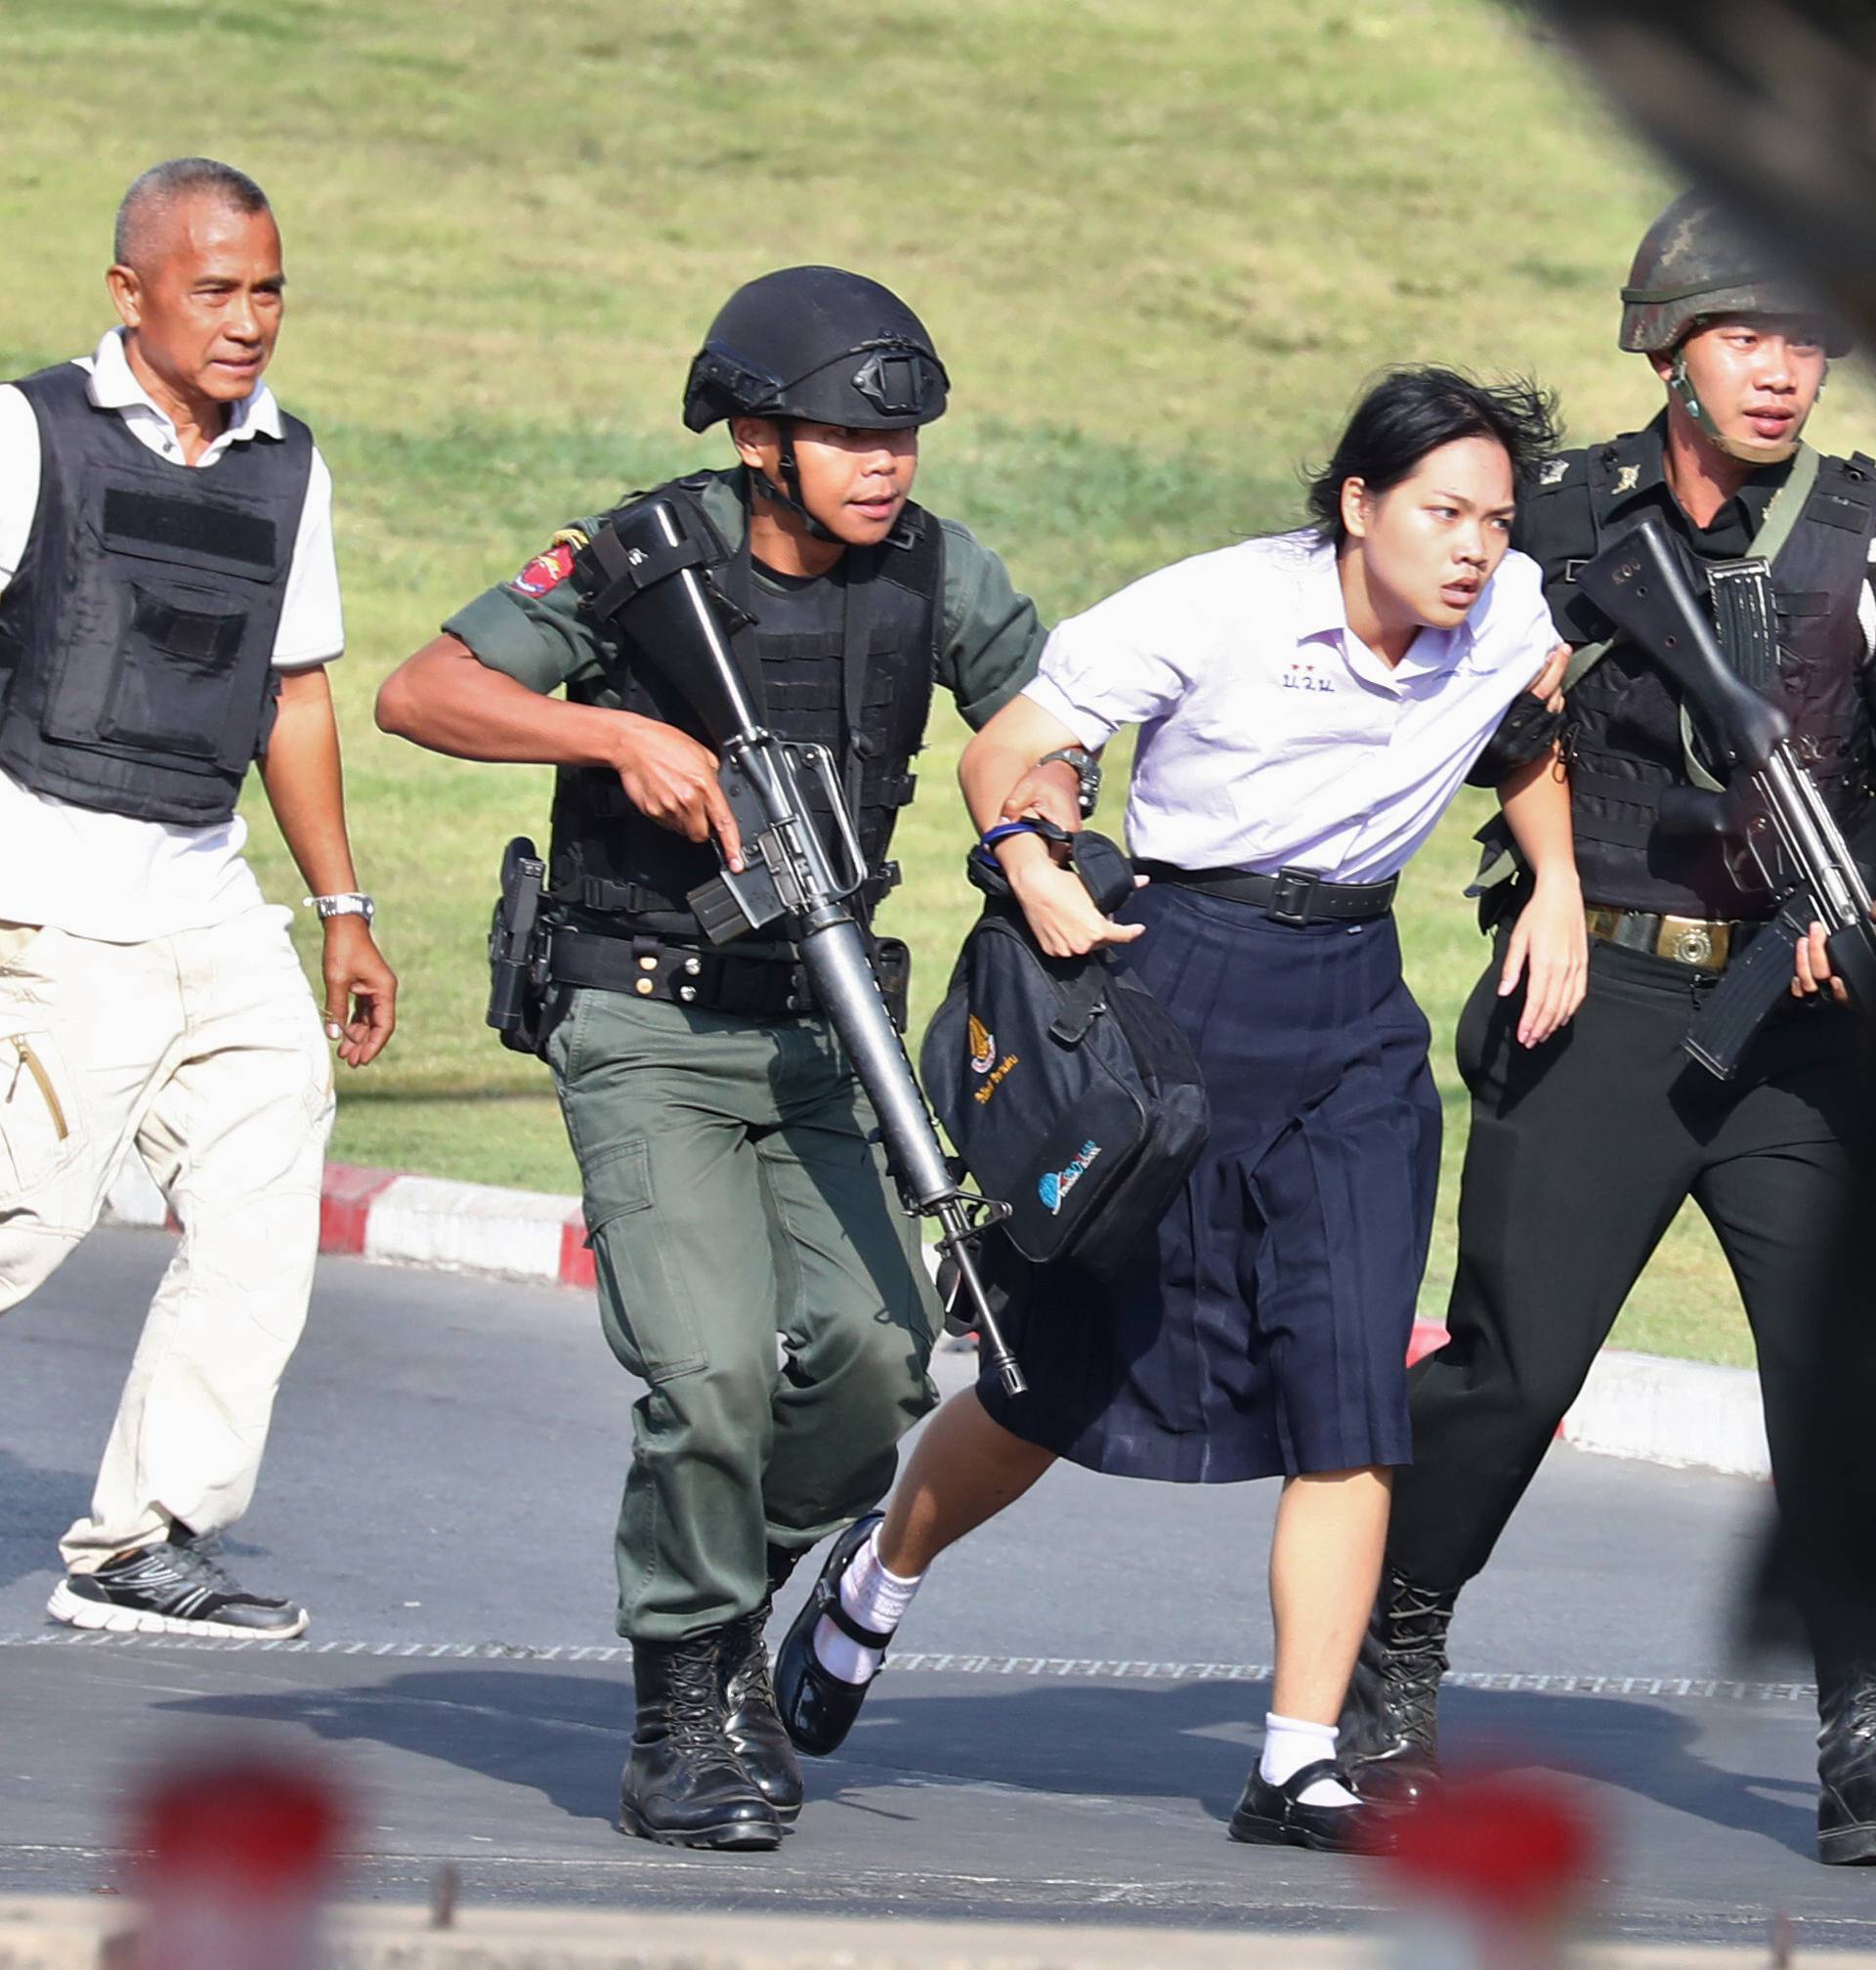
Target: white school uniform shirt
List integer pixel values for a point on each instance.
(1271, 736)
(114, 876)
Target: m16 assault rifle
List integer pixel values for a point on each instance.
(1641, 584)
(643, 573)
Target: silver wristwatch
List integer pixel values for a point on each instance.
(1088, 769)
(352, 903)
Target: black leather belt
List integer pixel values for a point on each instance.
(1290, 896)
(654, 968)
(708, 980)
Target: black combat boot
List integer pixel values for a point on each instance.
(1846, 1767)
(684, 1785)
(749, 1721)
(1390, 1741)
(817, 1709)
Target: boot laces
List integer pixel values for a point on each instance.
(696, 1708)
(1414, 1657)
(750, 1680)
(1860, 1713)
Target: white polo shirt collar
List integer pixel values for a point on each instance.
(114, 386)
(1323, 613)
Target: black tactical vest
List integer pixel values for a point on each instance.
(1624, 733)
(868, 706)
(136, 638)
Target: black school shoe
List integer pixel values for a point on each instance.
(1847, 1770)
(1273, 1816)
(816, 1709)
(177, 1586)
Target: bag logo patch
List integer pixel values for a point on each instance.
(982, 1044)
(982, 1095)
(546, 572)
(1056, 1185)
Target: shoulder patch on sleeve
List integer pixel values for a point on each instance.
(546, 572)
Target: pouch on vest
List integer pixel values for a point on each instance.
(179, 682)
(1067, 1089)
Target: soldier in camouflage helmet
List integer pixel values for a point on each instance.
(1581, 1153)
(1694, 266)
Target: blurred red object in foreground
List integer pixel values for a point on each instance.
(1497, 1869)
(234, 1857)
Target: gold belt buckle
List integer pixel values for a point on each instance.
(1688, 940)
(1682, 940)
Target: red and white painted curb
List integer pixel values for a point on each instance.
(1647, 1406)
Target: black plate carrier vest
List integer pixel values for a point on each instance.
(136, 638)
(1625, 718)
(868, 706)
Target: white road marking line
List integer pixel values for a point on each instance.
(1544, 1682)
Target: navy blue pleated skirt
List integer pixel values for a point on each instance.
(1264, 1330)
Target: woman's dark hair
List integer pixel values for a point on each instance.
(1409, 412)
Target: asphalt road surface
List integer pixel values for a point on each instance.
(1062, 1734)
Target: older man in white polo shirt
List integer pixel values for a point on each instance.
(168, 602)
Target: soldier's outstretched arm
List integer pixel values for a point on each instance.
(447, 698)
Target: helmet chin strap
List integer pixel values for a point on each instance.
(791, 480)
(1681, 384)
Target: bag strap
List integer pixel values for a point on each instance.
(1082, 992)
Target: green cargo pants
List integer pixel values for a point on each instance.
(733, 1195)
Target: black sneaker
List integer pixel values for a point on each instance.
(176, 1587)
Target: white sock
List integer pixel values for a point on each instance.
(1289, 1744)
(874, 1598)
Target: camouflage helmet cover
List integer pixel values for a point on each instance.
(1694, 263)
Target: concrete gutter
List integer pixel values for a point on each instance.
(72, 1933)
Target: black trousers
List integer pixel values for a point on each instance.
(1581, 1154)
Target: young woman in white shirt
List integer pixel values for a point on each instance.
(1308, 704)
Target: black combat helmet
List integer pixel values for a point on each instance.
(1695, 262)
(820, 344)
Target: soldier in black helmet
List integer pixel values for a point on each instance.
(733, 1188)
(1581, 1153)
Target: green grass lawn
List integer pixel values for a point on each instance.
(1160, 246)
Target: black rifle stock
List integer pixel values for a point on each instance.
(790, 878)
(1642, 585)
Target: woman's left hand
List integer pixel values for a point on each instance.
(1548, 685)
(1549, 949)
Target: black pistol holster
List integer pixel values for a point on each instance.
(519, 938)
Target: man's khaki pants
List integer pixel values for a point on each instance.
(205, 1050)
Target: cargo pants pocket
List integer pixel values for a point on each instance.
(644, 1296)
(39, 1133)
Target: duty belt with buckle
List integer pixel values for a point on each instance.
(1683, 940)
(710, 982)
